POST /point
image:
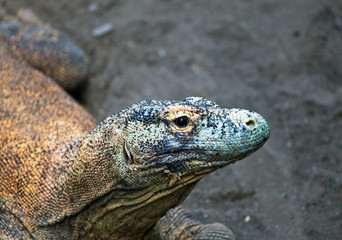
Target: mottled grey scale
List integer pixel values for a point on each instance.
(200, 103)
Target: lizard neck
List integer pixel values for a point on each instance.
(80, 171)
(110, 216)
(92, 171)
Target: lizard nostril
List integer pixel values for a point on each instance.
(250, 123)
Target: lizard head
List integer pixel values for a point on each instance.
(194, 136)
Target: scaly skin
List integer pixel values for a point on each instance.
(46, 49)
(62, 177)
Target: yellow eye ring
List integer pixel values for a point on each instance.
(181, 122)
(181, 119)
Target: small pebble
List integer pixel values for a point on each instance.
(247, 219)
(102, 30)
(161, 52)
(28, 16)
(92, 7)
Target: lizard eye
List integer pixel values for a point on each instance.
(181, 119)
(181, 122)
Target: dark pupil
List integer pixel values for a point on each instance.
(182, 121)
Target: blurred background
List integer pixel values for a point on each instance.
(281, 58)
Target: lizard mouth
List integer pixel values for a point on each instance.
(220, 153)
(177, 160)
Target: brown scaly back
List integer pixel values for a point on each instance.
(35, 116)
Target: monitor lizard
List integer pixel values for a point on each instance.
(62, 176)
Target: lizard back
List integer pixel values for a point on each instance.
(35, 116)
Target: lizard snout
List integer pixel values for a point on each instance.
(247, 132)
(255, 122)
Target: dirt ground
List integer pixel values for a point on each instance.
(281, 58)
